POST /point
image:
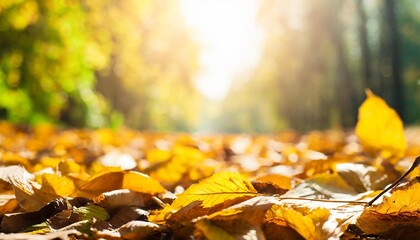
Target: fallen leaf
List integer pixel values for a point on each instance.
(183, 159)
(8, 203)
(379, 128)
(397, 217)
(363, 177)
(137, 230)
(127, 214)
(131, 180)
(57, 185)
(272, 184)
(322, 186)
(276, 228)
(215, 190)
(27, 192)
(307, 222)
(63, 235)
(224, 187)
(212, 231)
(14, 222)
(120, 198)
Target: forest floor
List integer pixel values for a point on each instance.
(126, 184)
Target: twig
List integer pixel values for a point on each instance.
(415, 164)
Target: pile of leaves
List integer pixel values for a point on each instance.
(124, 184)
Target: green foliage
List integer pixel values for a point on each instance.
(82, 62)
(45, 73)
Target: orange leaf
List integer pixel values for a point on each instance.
(109, 181)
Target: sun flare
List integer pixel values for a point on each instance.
(230, 40)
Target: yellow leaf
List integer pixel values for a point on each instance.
(215, 190)
(253, 206)
(158, 155)
(379, 128)
(224, 187)
(71, 169)
(184, 158)
(109, 181)
(61, 186)
(309, 226)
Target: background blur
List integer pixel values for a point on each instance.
(207, 65)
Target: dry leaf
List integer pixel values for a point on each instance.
(105, 182)
(127, 214)
(308, 226)
(322, 186)
(27, 192)
(212, 231)
(121, 198)
(397, 217)
(14, 222)
(224, 187)
(137, 230)
(363, 177)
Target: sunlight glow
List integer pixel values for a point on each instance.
(230, 39)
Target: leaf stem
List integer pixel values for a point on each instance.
(415, 164)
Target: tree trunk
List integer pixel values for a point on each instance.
(364, 45)
(394, 54)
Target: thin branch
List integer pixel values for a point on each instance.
(415, 164)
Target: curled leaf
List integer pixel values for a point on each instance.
(120, 198)
(105, 182)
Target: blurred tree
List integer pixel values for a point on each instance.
(391, 69)
(44, 70)
(154, 58)
(319, 57)
(365, 63)
(59, 57)
(409, 20)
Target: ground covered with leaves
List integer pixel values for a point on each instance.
(125, 184)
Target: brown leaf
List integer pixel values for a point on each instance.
(127, 214)
(398, 216)
(14, 222)
(120, 198)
